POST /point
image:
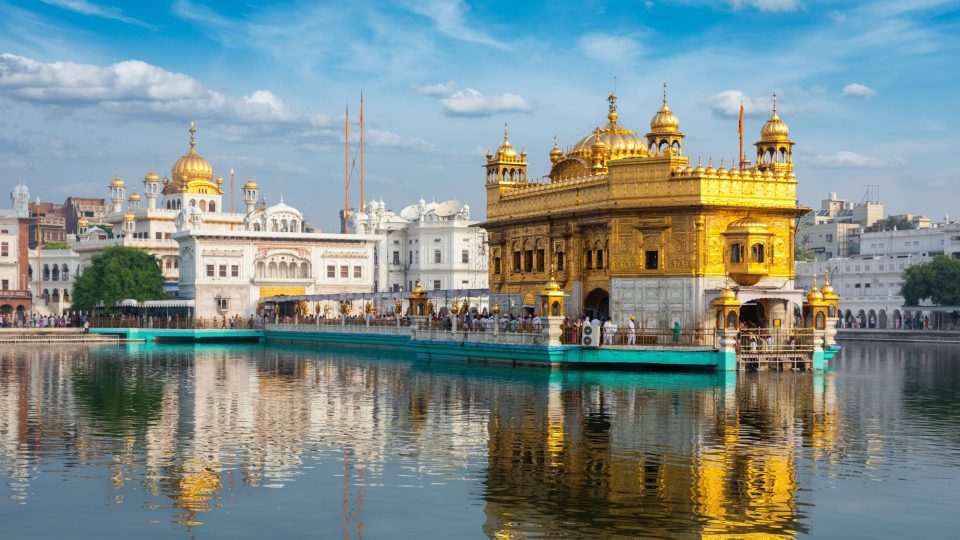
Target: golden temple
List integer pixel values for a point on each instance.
(631, 227)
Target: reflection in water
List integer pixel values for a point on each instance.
(193, 433)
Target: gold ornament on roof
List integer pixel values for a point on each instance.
(117, 182)
(664, 122)
(774, 129)
(250, 184)
(192, 173)
(151, 177)
(617, 142)
(134, 196)
(506, 150)
(129, 216)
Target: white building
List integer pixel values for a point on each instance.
(58, 269)
(227, 273)
(437, 243)
(834, 230)
(869, 283)
(149, 221)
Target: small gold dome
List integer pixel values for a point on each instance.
(710, 170)
(250, 184)
(699, 169)
(83, 222)
(166, 180)
(814, 295)
(151, 177)
(117, 182)
(134, 196)
(555, 153)
(774, 129)
(129, 216)
(664, 122)
(506, 150)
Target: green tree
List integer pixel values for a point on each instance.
(899, 223)
(56, 245)
(937, 281)
(117, 274)
(803, 254)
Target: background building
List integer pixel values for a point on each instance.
(15, 298)
(437, 243)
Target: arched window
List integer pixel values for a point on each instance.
(46, 295)
(272, 269)
(273, 227)
(46, 272)
(292, 270)
(260, 269)
(305, 270)
(66, 295)
(212, 206)
(505, 175)
(589, 256)
(56, 295)
(293, 226)
(736, 253)
(65, 273)
(203, 206)
(756, 253)
(283, 225)
(30, 271)
(256, 226)
(282, 270)
(56, 273)
(676, 147)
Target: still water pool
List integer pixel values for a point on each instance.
(294, 442)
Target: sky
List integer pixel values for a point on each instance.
(91, 89)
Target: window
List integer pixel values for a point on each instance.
(5, 249)
(756, 253)
(829, 238)
(396, 257)
(496, 265)
(357, 272)
(528, 260)
(223, 304)
(209, 270)
(736, 253)
(652, 260)
(6, 284)
(465, 256)
(437, 256)
(560, 261)
(540, 261)
(589, 259)
(599, 259)
(234, 270)
(411, 258)
(516, 261)
(223, 270)
(344, 271)
(331, 271)
(436, 284)
(395, 287)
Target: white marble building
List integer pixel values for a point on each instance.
(437, 243)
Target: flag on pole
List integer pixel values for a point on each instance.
(740, 132)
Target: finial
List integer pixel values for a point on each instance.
(193, 132)
(555, 141)
(506, 131)
(814, 283)
(281, 198)
(698, 161)
(664, 92)
(826, 277)
(774, 103)
(721, 163)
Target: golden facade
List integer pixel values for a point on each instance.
(620, 214)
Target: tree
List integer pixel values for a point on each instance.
(56, 245)
(117, 274)
(937, 280)
(804, 254)
(899, 223)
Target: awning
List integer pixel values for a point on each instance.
(173, 302)
(386, 295)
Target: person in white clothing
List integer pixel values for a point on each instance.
(608, 332)
(631, 331)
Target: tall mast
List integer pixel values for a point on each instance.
(346, 169)
(361, 152)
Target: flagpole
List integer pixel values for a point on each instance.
(740, 131)
(361, 152)
(346, 168)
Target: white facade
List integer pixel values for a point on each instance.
(58, 270)
(869, 283)
(9, 242)
(434, 242)
(227, 273)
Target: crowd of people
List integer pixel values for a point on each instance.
(67, 320)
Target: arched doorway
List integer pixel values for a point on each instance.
(882, 319)
(897, 319)
(752, 314)
(597, 304)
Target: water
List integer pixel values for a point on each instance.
(274, 442)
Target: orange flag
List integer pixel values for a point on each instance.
(740, 131)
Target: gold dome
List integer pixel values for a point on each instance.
(664, 122)
(506, 150)
(618, 141)
(134, 196)
(555, 153)
(117, 182)
(250, 184)
(774, 129)
(129, 216)
(151, 177)
(192, 173)
(219, 180)
(83, 222)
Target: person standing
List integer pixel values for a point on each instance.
(631, 331)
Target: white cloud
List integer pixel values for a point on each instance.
(473, 103)
(449, 16)
(106, 12)
(389, 139)
(845, 159)
(609, 48)
(766, 5)
(727, 104)
(858, 90)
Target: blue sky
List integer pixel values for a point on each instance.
(91, 88)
